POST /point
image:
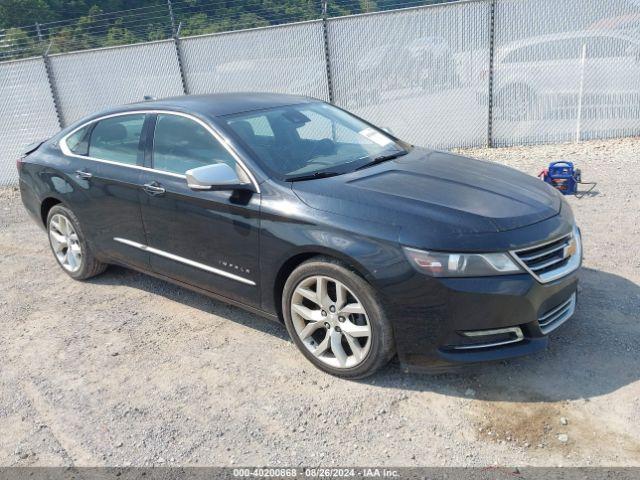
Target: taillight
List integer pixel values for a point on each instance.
(19, 163)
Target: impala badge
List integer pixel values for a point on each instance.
(233, 266)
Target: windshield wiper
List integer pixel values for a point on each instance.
(382, 158)
(311, 176)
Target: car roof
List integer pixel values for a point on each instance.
(218, 104)
(566, 36)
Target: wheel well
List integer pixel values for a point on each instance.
(291, 264)
(47, 204)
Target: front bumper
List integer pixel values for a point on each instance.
(443, 323)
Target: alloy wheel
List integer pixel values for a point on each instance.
(331, 321)
(65, 243)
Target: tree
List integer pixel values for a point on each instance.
(197, 25)
(18, 13)
(118, 35)
(81, 24)
(16, 43)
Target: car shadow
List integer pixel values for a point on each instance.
(116, 275)
(596, 352)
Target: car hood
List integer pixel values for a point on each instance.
(435, 190)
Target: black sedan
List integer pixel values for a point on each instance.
(363, 245)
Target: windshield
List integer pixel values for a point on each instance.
(310, 140)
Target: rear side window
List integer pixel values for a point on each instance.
(180, 144)
(117, 139)
(78, 142)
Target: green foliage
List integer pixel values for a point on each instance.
(118, 35)
(16, 13)
(16, 41)
(70, 25)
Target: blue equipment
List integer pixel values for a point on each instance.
(562, 176)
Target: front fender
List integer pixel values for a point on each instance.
(292, 231)
(378, 260)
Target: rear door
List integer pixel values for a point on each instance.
(108, 159)
(204, 238)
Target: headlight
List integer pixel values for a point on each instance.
(441, 264)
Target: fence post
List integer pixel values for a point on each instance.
(39, 33)
(583, 59)
(492, 46)
(327, 57)
(52, 86)
(176, 41)
(172, 17)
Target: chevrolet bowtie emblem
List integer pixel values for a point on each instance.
(570, 249)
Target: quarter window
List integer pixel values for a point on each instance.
(181, 144)
(117, 139)
(78, 142)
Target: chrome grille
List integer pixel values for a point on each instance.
(555, 317)
(554, 259)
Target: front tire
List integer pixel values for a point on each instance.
(335, 320)
(69, 245)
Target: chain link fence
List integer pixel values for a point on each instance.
(281, 59)
(467, 73)
(565, 70)
(91, 80)
(27, 111)
(409, 70)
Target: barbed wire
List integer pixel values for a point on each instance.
(158, 21)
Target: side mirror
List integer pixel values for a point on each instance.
(218, 176)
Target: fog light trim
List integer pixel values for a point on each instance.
(515, 332)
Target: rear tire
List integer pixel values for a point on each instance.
(334, 318)
(69, 245)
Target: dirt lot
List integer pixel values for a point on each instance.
(129, 370)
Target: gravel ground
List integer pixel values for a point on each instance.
(128, 370)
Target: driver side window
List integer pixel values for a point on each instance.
(180, 144)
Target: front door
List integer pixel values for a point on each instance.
(208, 239)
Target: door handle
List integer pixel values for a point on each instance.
(154, 188)
(83, 174)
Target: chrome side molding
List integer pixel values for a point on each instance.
(186, 261)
